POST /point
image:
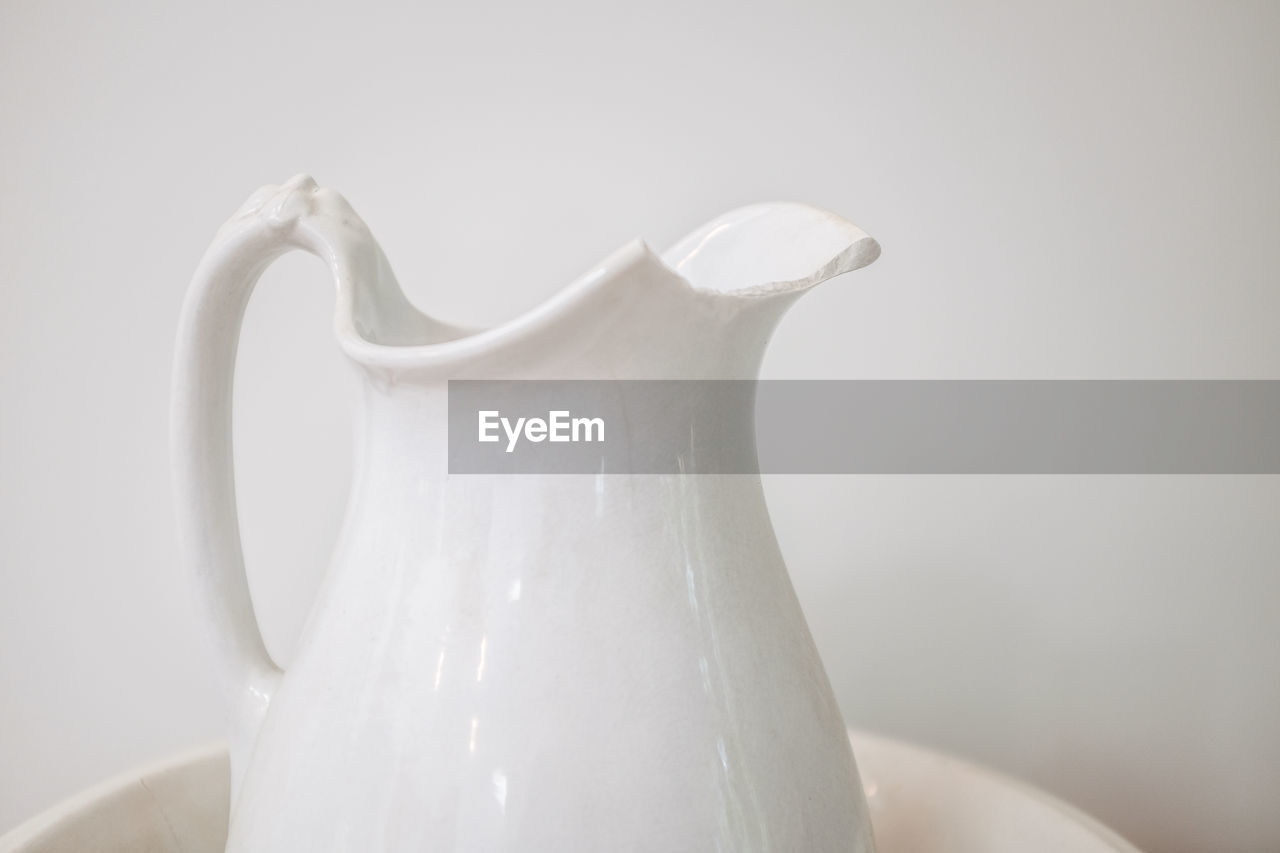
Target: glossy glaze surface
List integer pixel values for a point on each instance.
(523, 663)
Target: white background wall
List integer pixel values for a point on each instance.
(1085, 190)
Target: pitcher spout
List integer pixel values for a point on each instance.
(770, 249)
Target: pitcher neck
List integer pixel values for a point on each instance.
(704, 309)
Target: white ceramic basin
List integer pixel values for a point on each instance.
(921, 802)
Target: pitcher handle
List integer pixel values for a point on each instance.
(275, 220)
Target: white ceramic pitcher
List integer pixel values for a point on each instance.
(523, 663)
